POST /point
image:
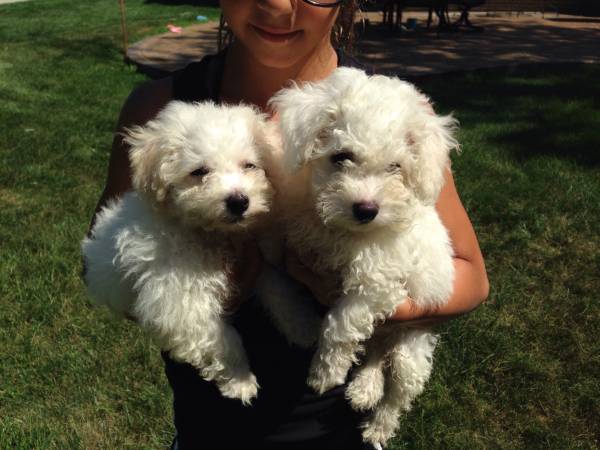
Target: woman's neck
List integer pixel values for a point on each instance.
(245, 79)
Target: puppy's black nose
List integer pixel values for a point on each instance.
(237, 203)
(365, 212)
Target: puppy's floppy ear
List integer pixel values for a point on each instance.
(432, 151)
(257, 122)
(154, 147)
(262, 133)
(267, 142)
(147, 155)
(308, 113)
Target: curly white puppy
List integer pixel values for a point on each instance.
(161, 253)
(369, 156)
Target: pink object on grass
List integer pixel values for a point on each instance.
(174, 29)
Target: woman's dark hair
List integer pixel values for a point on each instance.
(342, 34)
(343, 30)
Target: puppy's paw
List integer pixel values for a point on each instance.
(374, 436)
(380, 427)
(366, 389)
(243, 388)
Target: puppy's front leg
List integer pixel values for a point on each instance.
(367, 386)
(186, 319)
(216, 350)
(345, 326)
(233, 376)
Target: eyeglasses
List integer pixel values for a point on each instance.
(324, 3)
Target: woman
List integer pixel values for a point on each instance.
(276, 41)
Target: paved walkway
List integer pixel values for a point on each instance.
(506, 40)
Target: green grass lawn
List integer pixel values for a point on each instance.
(522, 371)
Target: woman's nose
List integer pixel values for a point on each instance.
(282, 12)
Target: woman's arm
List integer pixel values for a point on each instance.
(471, 286)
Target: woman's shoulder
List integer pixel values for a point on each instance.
(347, 59)
(145, 101)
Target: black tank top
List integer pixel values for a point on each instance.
(286, 415)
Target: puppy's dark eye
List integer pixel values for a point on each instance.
(250, 166)
(341, 157)
(200, 172)
(394, 167)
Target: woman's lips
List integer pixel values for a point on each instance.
(275, 34)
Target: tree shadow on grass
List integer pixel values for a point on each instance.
(565, 141)
(534, 110)
(101, 49)
(503, 42)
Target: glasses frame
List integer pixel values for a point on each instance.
(323, 5)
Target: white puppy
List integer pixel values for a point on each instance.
(162, 252)
(369, 156)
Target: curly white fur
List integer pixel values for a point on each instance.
(368, 157)
(161, 252)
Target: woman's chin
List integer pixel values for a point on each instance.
(280, 56)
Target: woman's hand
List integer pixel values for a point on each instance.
(325, 286)
(409, 314)
(243, 273)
